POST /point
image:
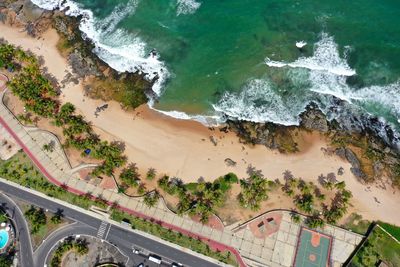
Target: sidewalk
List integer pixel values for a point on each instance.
(246, 242)
(58, 172)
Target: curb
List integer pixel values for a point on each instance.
(214, 244)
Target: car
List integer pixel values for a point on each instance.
(176, 264)
(136, 251)
(140, 265)
(156, 259)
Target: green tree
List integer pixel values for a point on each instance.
(151, 174)
(305, 202)
(315, 221)
(36, 217)
(5, 261)
(151, 198)
(253, 191)
(130, 175)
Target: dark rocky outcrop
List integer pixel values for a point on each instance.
(350, 156)
(314, 119)
(270, 135)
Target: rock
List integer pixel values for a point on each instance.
(359, 174)
(352, 158)
(346, 153)
(341, 152)
(314, 119)
(378, 169)
(82, 66)
(230, 163)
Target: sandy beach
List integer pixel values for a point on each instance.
(183, 148)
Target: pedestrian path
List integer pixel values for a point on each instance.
(250, 249)
(58, 171)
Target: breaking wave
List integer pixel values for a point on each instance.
(187, 7)
(258, 102)
(119, 49)
(324, 82)
(321, 78)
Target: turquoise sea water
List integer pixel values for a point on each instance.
(239, 57)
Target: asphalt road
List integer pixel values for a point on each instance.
(125, 240)
(22, 230)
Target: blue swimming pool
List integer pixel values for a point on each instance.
(3, 238)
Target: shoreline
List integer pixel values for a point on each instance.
(183, 148)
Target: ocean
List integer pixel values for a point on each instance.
(253, 60)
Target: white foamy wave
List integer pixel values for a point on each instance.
(386, 96)
(258, 102)
(326, 58)
(327, 70)
(185, 7)
(47, 4)
(301, 44)
(119, 49)
(203, 119)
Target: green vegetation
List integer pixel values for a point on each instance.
(7, 54)
(130, 175)
(151, 174)
(57, 217)
(6, 260)
(315, 221)
(151, 198)
(309, 199)
(79, 246)
(378, 247)
(356, 224)
(3, 216)
(173, 237)
(20, 169)
(126, 88)
(295, 217)
(305, 202)
(201, 198)
(391, 229)
(39, 96)
(254, 191)
(36, 217)
(35, 90)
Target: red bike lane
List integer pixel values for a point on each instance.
(213, 244)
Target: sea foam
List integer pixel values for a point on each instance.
(187, 7)
(259, 102)
(119, 49)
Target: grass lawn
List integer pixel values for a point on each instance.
(379, 247)
(392, 229)
(356, 224)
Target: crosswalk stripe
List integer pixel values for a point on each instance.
(102, 229)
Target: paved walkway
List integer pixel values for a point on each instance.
(57, 170)
(276, 249)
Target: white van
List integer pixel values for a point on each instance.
(155, 259)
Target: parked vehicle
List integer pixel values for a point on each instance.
(155, 259)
